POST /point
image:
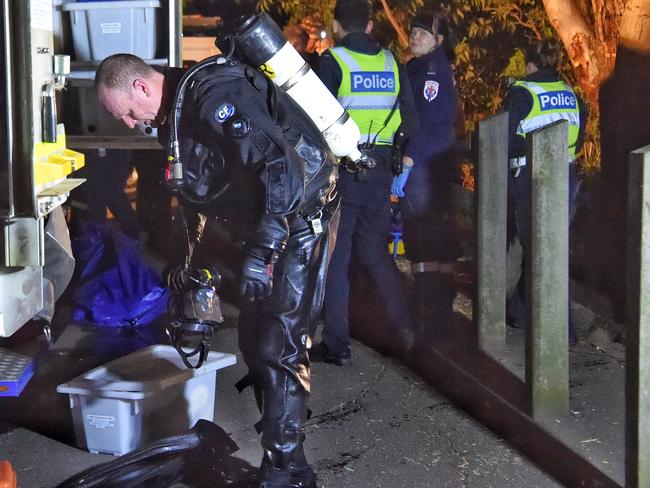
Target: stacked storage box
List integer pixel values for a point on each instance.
(100, 29)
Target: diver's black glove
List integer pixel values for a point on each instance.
(257, 275)
(175, 277)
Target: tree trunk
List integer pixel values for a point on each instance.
(402, 38)
(635, 25)
(624, 127)
(590, 50)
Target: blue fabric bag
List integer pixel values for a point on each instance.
(119, 288)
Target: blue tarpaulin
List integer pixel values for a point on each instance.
(118, 288)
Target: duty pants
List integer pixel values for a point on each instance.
(363, 231)
(428, 232)
(430, 237)
(519, 189)
(273, 340)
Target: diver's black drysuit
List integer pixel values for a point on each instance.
(242, 137)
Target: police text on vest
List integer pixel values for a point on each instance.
(557, 100)
(372, 81)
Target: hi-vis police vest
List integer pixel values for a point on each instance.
(552, 101)
(369, 91)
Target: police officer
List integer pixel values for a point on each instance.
(368, 82)
(528, 109)
(429, 235)
(256, 155)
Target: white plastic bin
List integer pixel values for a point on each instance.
(142, 397)
(100, 29)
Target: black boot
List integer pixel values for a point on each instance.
(270, 477)
(284, 464)
(302, 476)
(299, 475)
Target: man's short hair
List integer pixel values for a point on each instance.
(353, 15)
(119, 70)
(544, 54)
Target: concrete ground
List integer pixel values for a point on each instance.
(374, 423)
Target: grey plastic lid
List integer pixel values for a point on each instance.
(124, 4)
(149, 370)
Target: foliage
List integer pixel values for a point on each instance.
(297, 10)
(491, 35)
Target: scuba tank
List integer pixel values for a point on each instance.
(258, 41)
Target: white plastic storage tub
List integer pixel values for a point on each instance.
(142, 397)
(100, 29)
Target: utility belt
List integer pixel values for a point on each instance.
(516, 164)
(367, 162)
(356, 167)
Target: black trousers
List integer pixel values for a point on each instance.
(363, 233)
(430, 237)
(273, 339)
(429, 234)
(106, 178)
(520, 190)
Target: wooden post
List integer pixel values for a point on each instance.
(492, 183)
(637, 344)
(547, 358)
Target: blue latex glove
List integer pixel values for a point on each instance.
(399, 182)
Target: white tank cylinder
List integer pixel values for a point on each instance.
(288, 70)
(265, 45)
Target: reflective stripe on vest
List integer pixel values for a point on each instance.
(368, 91)
(552, 101)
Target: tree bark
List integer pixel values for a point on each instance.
(401, 34)
(589, 55)
(624, 127)
(635, 25)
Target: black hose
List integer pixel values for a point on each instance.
(158, 461)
